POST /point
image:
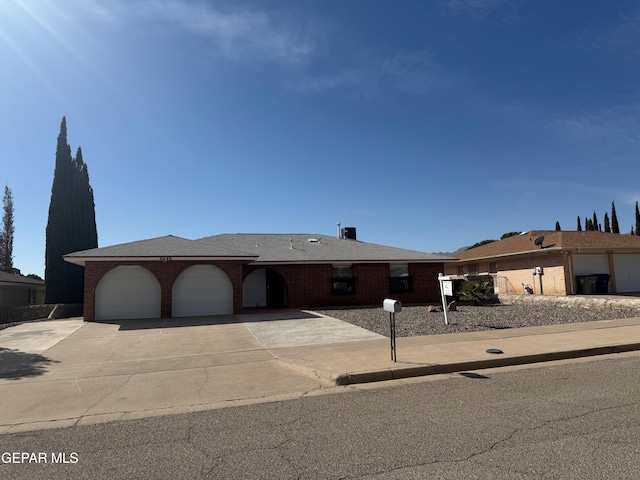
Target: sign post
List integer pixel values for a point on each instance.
(446, 288)
(392, 306)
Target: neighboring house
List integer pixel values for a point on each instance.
(569, 262)
(223, 274)
(17, 290)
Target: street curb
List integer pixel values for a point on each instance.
(437, 369)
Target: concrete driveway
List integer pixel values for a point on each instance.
(68, 372)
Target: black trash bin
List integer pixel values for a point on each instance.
(602, 283)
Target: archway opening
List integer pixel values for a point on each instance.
(264, 288)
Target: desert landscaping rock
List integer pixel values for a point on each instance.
(416, 320)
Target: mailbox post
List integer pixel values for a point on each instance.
(392, 306)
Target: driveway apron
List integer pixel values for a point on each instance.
(68, 372)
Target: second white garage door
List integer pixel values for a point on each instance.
(202, 290)
(627, 267)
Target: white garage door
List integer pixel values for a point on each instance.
(627, 267)
(202, 290)
(128, 292)
(590, 264)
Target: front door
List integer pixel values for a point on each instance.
(276, 289)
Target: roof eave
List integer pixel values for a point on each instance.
(513, 254)
(83, 260)
(349, 261)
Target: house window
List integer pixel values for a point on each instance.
(472, 269)
(399, 279)
(32, 296)
(343, 281)
(493, 267)
(460, 270)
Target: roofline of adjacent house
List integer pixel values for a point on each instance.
(18, 283)
(572, 249)
(514, 254)
(82, 260)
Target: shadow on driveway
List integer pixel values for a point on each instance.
(250, 316)
(15, 365)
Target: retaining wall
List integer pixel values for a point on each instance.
(583, 301)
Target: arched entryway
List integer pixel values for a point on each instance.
(264, 287)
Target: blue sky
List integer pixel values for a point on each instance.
(428, 125)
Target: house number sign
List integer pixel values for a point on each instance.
(165, 259)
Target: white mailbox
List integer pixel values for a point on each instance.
(391, 305)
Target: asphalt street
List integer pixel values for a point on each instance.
(566, 420)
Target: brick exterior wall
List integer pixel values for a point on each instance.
(308, 286)
(166, 273)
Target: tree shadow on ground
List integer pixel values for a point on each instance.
(15, 365)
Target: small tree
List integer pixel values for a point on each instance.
(6, 253)
(558, 226)
(615, 228)
(637, 220)
(479, 244)
(607, 226)
(579, 224)
(509, 234)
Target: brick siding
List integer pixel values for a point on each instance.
(308, 286)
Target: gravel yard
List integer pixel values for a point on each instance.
(414, 321)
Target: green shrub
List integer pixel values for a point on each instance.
(476, 292)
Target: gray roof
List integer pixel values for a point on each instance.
(316, 248)
(260, 248)
(18, 280)
(168, 246)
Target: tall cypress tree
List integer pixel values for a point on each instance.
(615, 228)
(558, 226)
(637, 220)
(6, 251)
(71, 225)
(579, 224)
(607, 226)
(595, 221)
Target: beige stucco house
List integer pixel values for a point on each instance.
(18, 290)
(556, 263)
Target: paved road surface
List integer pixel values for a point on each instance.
(573, 420)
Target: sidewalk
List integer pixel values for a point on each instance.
(370, 361)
